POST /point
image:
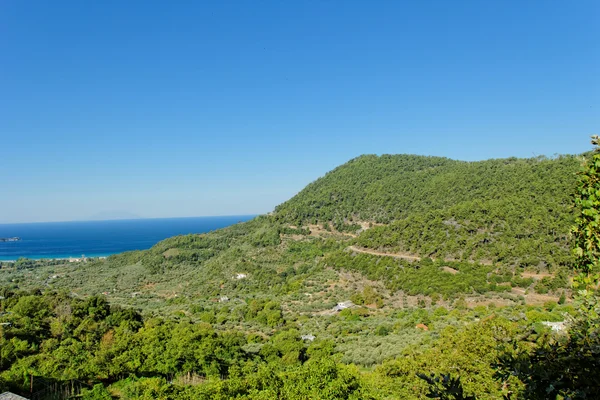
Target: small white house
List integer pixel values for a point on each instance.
(343, 305)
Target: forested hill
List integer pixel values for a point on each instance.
(391, 187)
(368, 188)
(442, 207)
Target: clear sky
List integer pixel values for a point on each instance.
(189, 108)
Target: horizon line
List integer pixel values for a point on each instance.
(130, 219)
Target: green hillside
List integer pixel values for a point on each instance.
(514, 211)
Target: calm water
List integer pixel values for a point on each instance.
(100, 238)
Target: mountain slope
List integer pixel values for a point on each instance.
(507, 210)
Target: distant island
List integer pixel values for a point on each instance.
(112, 215)
(10, 239)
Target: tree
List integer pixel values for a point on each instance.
(98, 392)
(445, 387)
(586, 232)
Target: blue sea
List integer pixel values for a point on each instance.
(100, 238)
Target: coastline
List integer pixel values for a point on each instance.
(66, 258)
(72, 241)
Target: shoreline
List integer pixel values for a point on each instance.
(73, 241)
(69, 259)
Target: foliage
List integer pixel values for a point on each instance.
(567, 366)
(98, 392)
(495, 209)
(91, 341)
(560, 367)
(445, 387)
(423, 277)
(586, 231)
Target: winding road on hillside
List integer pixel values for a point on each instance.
(404, 256)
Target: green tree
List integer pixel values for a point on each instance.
(586, 232)
(98, 392)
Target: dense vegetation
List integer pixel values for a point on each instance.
(507, 210)
(53, 338)
(424, 277)
(393, 277)
(64, 339)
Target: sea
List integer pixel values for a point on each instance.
(100, 238)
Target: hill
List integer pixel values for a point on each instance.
(514, 211)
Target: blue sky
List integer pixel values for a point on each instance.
(210, 108)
